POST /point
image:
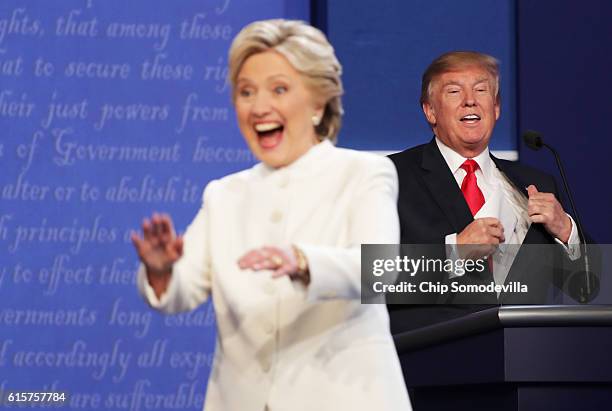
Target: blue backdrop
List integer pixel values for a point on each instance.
(385, 47)
(110, 110)
(564, 66)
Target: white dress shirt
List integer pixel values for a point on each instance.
(510, 209)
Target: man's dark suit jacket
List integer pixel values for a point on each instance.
(431, 206)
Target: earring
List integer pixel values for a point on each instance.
(316, 120)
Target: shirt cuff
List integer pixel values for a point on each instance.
(452, 253)
(572, 248)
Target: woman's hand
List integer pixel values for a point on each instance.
(160, 247)
(282, 261)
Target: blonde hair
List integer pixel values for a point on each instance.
(456, 60)
(308, 51)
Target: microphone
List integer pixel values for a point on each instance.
(534, 141)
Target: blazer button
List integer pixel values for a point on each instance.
(265, 366)
(276, 216)
(284, 181)
(268, 288)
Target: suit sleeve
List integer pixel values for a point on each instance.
(336, 272)
(191, 275)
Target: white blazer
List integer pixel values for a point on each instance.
(280, 344)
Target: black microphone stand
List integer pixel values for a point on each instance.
(583, 240)
(533, 139)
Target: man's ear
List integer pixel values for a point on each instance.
(430, 113)
(497, 110)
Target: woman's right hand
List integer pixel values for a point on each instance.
(160, 247)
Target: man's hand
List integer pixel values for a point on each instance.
(484, 234)
(544, 208)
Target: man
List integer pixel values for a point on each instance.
(446, 183)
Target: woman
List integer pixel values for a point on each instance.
(278, 245)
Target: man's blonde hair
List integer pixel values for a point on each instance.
(456, 60)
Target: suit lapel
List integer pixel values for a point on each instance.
(534, 234)
(512, 174)
(526, 258)
(443, 187)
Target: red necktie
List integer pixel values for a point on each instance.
(472, 193)
(469, 187)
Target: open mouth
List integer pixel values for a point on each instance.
(470, 119)
(269, 134)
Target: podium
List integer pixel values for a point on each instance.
(519, 358)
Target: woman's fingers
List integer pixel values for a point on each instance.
(138, 243)
(159, 247)
(165, 224)
(147, 229)
(178, 246)
(254, 259)
(158, 231)
(269, 258)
